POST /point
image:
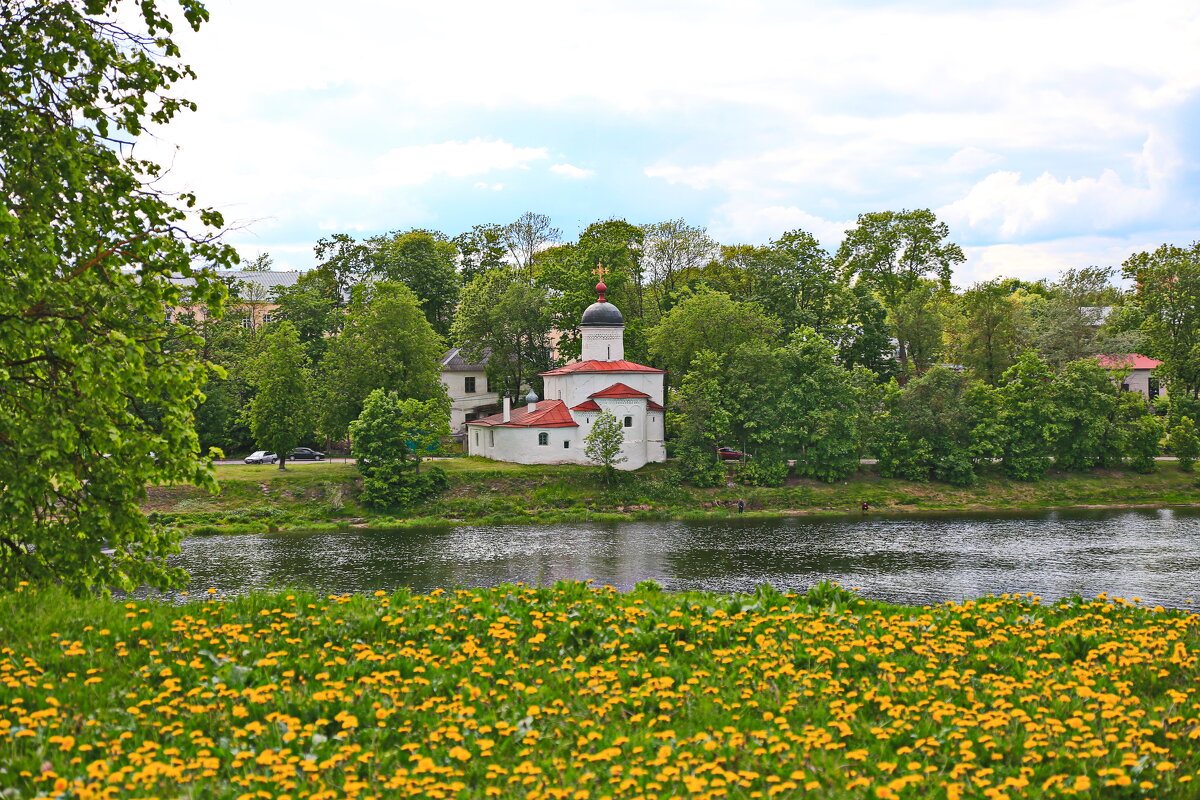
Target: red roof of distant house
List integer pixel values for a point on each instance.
(587, 405)
(619, 390)
(1129, 361)
(602, 366)
(549, 414)
(653, 406)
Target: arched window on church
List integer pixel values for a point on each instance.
(543, 439)
(629, 422)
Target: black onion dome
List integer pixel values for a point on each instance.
(602, 314)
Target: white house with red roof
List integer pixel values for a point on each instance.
(551, 430)
(1139, 376)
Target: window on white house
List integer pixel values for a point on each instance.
(469, 385)
(491, 438)
(1152, 388)
(477, 438)
(567, 443)
(543, 439)
(247, 322)
(485, 386)
(629, 422)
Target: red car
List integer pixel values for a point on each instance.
(729, 454)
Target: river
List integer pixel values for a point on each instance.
(1151, 554)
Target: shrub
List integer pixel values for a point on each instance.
(392, 486)
(1185, 444)
(1144, 444)
(765, 471)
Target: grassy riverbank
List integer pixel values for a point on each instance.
(261, 498)
(574, 692)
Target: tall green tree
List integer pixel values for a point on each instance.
(671, 250)
(390, 438)
(480, 249)
(1168, 296)
(525, 236)
(892, 251)
(280, 412)
(508, 320)
(1088, 406)
(1067, 323)
(711, 321)
(93, 406)
(603, 444)
(424, 262)
(919, 321)
(387, 343)
(801, 284)
(1185, 444)
(992, 337)
(927, 429)
(698, 422)
(308, 307)
(865, 337)
(1028, 421)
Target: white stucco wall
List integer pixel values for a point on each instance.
(520, 445)
(574, 388)
(602, 343)
(462, 402)
(1138, 380)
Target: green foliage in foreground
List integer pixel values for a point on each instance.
(575, 692)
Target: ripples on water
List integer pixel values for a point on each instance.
(1154, 555)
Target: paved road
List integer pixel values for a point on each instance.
(291, 463)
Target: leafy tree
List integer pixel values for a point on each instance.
(892, 251)
(1088, 405)
(707, 321)
(480, 249)
(1185, 444)
(1067, 324)
(1028, 419)
(801, 284)
(918, 321)
(387, 344)
(261, 263)
(865, 338)
(525, 237)
(344, 264)
(279, 413)
(603, 444)
(1145, 443)
(309, 308)
(699, 423)
(424, 262)
(1168, 296)
(992, 336)
(87, 247)
(670, 251)
(390, 437)
(927, 430)
(508, 320)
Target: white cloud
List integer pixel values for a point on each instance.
(572, 171)
(494, 187)
(416, 164)
(1047, 259)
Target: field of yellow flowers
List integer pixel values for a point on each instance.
(572, 691)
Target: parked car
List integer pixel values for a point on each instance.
(729, 454)
(261, 457)
(306, 454)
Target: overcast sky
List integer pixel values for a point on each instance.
(1047, 134)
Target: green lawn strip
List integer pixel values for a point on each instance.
(263, 498)
(577, 692)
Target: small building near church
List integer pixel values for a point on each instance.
(551, 430)
(1140, 377)
(467, 386)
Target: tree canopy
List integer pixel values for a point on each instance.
(94, 404)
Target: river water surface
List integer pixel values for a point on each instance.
(1151, 554)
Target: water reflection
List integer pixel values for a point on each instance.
(1153, 554)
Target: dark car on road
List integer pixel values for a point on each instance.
(729, 454)
(306, 454)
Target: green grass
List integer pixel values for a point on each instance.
(255, 498)
(577, 692)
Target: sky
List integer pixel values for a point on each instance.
(1046, 134)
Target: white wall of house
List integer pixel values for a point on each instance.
(521, 445)
(463, 398)
(1138, 380)
(644, 439)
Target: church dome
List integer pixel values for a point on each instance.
(602, 313)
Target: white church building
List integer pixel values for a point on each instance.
(551, 430)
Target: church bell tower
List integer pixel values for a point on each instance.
(602, 330)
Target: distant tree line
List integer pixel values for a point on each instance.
(788, 350)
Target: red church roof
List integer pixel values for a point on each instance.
(587, 405)
(619, 390)
(549, 414)
(653, 406)
(602, 366)
(1129, 361)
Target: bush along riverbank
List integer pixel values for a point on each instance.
(316, 496)
(573, 691)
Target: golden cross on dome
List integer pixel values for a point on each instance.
(600, 271)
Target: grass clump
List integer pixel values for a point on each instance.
(574, 691)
